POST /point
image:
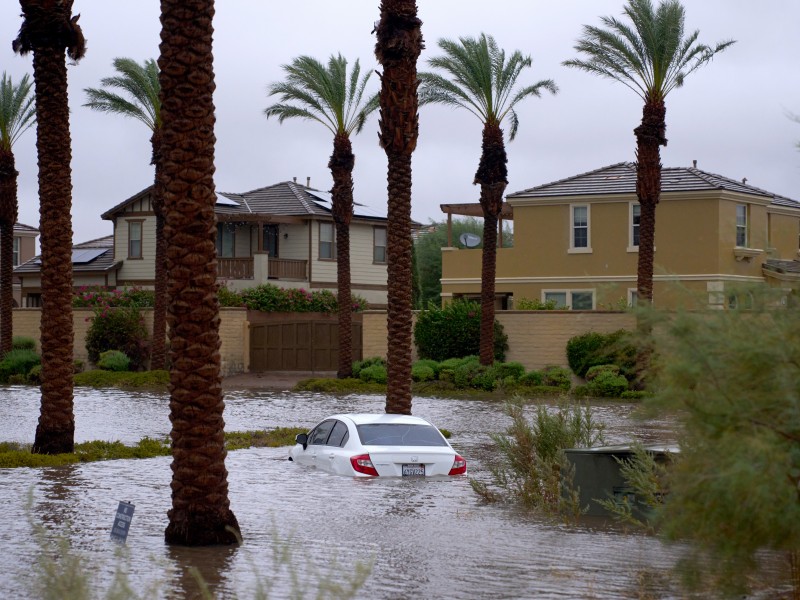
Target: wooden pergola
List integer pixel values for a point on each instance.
(473, 209)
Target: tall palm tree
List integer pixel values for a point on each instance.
(139, 99)
(48, 30)
(651, 56)
(327, 95)
(478, 78)
(399, 43)
(200, 513)
(17, 114)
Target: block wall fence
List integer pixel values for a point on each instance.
(535, 338)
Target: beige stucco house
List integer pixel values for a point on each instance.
(576, 242)
(24, 250)
(282, 234)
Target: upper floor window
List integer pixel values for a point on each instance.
(16, 251)
(379, 245)
(574, 299)
(134, 239)
(636, 215)
(741, 225)
(579, 230)
(226, 240)
(327, 241)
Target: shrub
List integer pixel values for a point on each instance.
(35, 375)
(20, 342)
(534, 304)
(592, 349)
(422, 373)
(120, 329)
(367, 362)
(509, 369)
(373, 374)
(598, 369)
(229, 298)
(77, 366)
(114, 360)
(465, 371)
(608, 384)
(18, 362)
(271, 298)
(532, 378)
(485, 378)
(454, 331)
(557, 377)
(96, 297)
(432, 364)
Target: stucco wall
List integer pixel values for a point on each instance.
(234, 349)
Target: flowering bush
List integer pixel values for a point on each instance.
(118, 328)
(95, 297)
(271, 298)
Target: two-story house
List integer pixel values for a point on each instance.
(576, 241)
(24, 250)
(282, 234)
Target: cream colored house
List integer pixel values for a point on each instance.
(576, 242)
(281, 234)
(24, 250)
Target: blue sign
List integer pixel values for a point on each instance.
(122, 522)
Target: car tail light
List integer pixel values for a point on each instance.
(363, 464)
(459, 466)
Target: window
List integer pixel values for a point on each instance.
(270, 241)
(379, 245)
(633, 297)
(16, 251)
(134, 239)
(225, 240)
(579, 231)
(741, 225)
(319, 436)
(339, 435)
(327, 241)
(636, 215)
(570, 299)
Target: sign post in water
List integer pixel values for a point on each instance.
(122, 522)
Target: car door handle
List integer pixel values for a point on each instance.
(331, 455)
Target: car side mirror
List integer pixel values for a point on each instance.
(302, 438)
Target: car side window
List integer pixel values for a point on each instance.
(319, 436)
(338, 435)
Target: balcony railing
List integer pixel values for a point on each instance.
(278, 268)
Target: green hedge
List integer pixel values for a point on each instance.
(454, 331)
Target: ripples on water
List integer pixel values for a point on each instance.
(426, 538)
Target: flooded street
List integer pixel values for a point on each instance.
(424, 538)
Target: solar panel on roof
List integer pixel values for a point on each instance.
(324, 196)
(81, 257)
(225, 201)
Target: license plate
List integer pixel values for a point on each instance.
(413, 470)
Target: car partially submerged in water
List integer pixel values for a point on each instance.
(372, 445)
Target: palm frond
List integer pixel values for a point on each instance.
(475, 74)
(138, 92)
(324, 93)
(652, 55)
(17, 110)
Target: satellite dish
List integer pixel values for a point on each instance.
(470, 240)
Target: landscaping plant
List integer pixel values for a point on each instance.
(120, 329)
(453, 331)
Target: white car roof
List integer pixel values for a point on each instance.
(369, 419)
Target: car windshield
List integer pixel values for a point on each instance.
(395, 434)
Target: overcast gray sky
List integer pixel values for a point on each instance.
(730, 116)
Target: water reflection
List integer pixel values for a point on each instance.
(425, 538)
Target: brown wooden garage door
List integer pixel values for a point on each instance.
(298, 346)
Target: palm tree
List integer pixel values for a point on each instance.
(200, 513)
(327, 95)
(17, 114)
(397, 49)
(478, 78)
(139, 87)
(651, 56)
(48, 29)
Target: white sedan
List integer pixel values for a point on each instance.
(364, 445)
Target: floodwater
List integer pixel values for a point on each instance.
(304, 529)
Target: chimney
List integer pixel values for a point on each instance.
(744, 180)
(308, 181)
(294, 179)
(694, 164)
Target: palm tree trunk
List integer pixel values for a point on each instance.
(650, 136)
(8, 217)
(158, 352)
(200, 513)
(341, 165)
(397, 49)
(56, 428)
(492, 175)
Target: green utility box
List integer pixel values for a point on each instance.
(597, 473)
